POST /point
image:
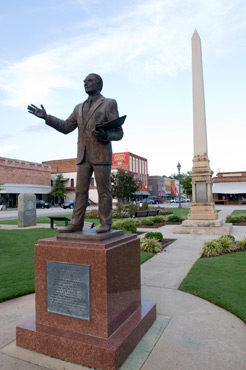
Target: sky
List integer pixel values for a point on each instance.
(142, 50)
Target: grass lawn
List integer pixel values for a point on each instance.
(17, 260)
(220, 280)
(182, 212)
(237, 212)
(45, 219)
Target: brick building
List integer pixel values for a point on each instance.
(135, 164)
(19, 176)
(230, 188)
(157, 186)
(126, 161)
(68, 169)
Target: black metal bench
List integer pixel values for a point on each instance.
(146, 213)
(63, 218)
(153, 212)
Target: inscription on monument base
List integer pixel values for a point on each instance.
(68, 289)
(201, 192)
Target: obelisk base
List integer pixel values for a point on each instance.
(202, 211)
(203, 227)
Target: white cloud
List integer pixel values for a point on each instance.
(150, 38)
(6, 149)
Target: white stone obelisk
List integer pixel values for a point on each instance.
(202, 218)
(202, 207)
(199, 115)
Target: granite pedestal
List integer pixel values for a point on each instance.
(88, 300)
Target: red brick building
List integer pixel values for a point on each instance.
(125, 160)
(135, 164)
(19, 176)
(230, 188)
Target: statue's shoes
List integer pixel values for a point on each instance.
(103, 228)
(70, 229)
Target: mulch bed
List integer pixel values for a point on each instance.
(166, 242)
(239, 223)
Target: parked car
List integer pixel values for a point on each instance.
(42, 204)
(174, 200)
(156, 199)
(146, 200)
(70, 204)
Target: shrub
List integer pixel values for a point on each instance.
(150, 245)
(241, 245)
(227, 242)
(132, 208)
(156, 235)
(165, 211)
(174, 218)
(92, 214)
(243, 217)
(148, 221)
(158, 219)
(138, 221)
(128, 226)
(144, 207)
(212, 249)
(233, 219)
(119, 214)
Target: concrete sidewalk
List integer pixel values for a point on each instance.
(189, 333)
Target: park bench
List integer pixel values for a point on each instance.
(153, 212)
(220, 201)
(88, 225)
(146, 213)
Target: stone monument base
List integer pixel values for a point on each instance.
(202, 211)
(88, 300)
(204, 227)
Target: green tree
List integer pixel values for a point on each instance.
(59, 189)
(187, 184)
(124, 185)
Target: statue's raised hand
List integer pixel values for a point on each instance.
(41, 113)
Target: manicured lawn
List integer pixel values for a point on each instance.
(182, 212)
(46, 220)
(220, 280)
(237, 212)
(17, 260)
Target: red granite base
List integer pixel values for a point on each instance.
(105, 354)
(118, 319)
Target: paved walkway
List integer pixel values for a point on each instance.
(189, 333)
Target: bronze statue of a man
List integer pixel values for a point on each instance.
(94, 149)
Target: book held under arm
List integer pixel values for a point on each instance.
(118, 122)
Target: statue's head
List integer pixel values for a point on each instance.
(93, 83)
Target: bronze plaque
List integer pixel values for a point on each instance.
(68, 289)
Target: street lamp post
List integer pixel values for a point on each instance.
(179, 166)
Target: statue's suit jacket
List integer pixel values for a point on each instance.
(102, 110)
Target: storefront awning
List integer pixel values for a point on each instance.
(174, 190)
(170, 195)
(141, 193)
(229, 188)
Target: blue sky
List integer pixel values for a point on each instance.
(142, 50)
